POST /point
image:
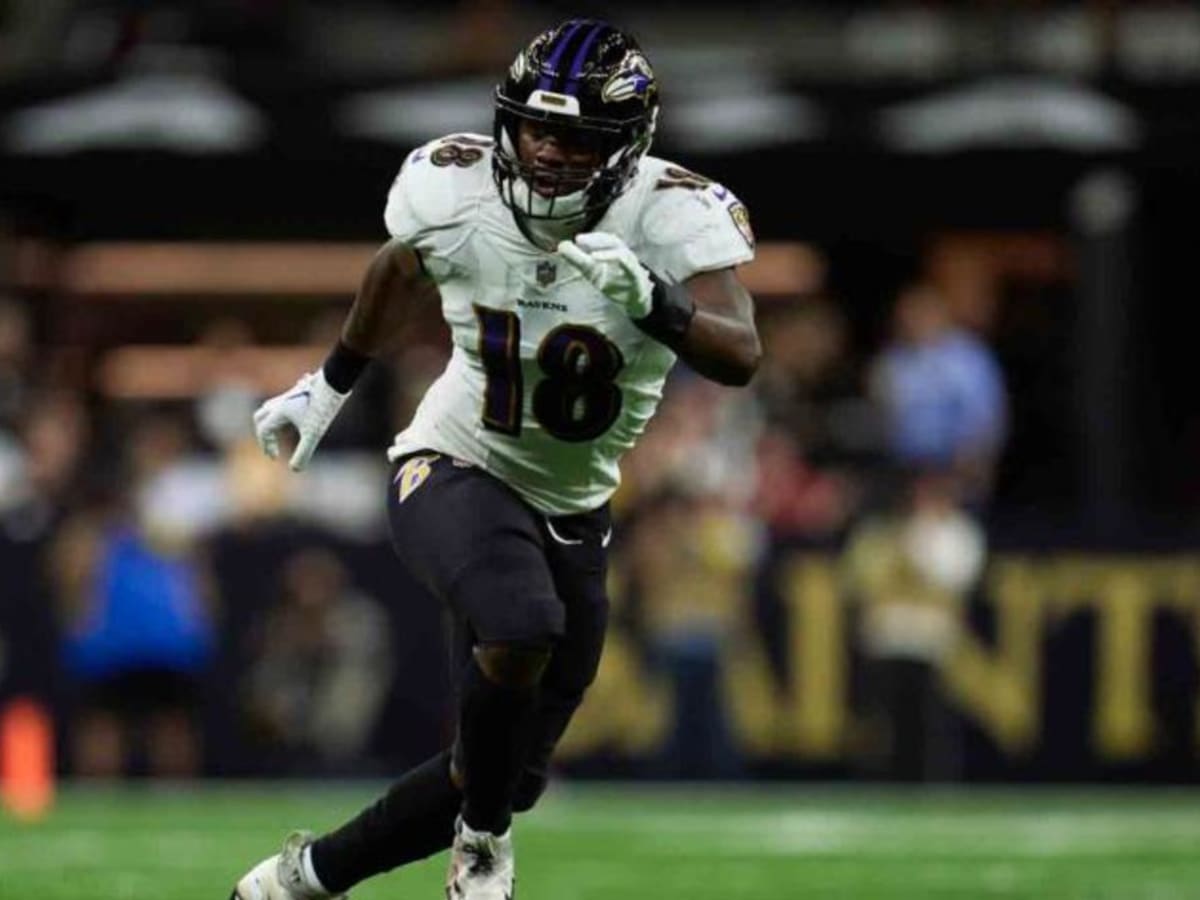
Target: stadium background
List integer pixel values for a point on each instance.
(188, 192)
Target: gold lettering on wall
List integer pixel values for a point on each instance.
(1123, 727)
(805, 717)
(1120, 596)
(998, 683)
(627, 711)
(819, 662)
(995, 681)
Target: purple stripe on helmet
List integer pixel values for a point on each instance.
(577, 63)
(547, 81)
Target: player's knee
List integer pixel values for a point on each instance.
(513, 665)
(529, 790)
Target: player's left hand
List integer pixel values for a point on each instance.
(607, 262)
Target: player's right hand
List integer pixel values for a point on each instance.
(310, 407)
(607, 262)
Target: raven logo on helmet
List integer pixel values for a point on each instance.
(633, 79)
(520, 65)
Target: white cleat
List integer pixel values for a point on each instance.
(281, 877)
(481, 865)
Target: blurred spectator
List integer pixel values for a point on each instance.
(224, 410)
(44, 465)
(941, 394)
(809, 385)
(820, 430)
(16, 358)
(689, 558)
(177, 494)
(911, 571)
(702, 435)
(136, 605)
(16, 353)
(687, 553)
(322, 665)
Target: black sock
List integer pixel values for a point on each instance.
(494, 733)
(413, 820)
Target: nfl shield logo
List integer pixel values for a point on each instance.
(546, 272)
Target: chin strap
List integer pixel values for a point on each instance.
(548, 242)
(542, 233)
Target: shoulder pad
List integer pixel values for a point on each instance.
(438, 185)
(690, 223)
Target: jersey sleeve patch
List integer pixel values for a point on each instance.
(691, 224)
(741, 221)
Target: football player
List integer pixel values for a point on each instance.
(573, 270)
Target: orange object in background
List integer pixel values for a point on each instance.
(26, 759)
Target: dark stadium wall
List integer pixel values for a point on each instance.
(1073, 666)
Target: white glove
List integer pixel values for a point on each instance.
(606, 261)
(310, 407)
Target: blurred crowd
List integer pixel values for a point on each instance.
(1156, 39)
(172, 570)
(975, 345)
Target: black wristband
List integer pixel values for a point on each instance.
(671, 312)
(343, 366)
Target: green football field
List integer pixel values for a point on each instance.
(661, 843)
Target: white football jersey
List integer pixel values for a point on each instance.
(549, 382)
